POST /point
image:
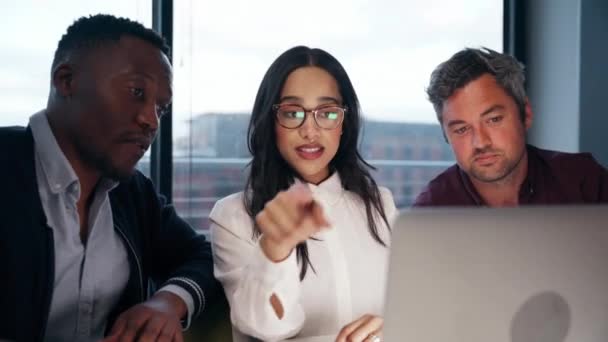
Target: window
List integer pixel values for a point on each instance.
(221, 51)
(388, 47)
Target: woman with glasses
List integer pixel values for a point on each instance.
(302, 252)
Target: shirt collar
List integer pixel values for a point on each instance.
(530, 184)
(469, 188)
(57, 170)
(329, 191)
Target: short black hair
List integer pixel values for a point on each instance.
(92, 31)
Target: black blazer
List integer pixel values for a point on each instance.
(162, 248)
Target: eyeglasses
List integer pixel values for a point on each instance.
(293, 116)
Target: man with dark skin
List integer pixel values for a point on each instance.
(111, 81)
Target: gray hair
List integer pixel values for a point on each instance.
(469, 64)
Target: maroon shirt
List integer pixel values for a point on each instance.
(553, 178)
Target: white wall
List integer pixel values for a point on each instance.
(593, 96)
(553, 61)
(566, 54)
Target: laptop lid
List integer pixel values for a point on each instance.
(528, 274)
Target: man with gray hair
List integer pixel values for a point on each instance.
(484, 113)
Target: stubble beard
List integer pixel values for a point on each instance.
(496, 173)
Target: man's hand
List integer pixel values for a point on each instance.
(157, 319)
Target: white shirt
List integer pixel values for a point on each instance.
(89, 278)
(348, 282)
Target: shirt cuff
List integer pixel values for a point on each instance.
(282, 278)
(186, 297)
(271, 272)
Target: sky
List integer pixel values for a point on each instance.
(223, 48)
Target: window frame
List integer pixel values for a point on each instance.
(161, 158)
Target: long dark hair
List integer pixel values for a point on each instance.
(269, 173)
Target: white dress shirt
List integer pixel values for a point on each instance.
(89, 277)
(349, 274)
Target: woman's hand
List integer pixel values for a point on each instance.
(291, 217)
(368, 328)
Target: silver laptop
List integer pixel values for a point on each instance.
(533, 274)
